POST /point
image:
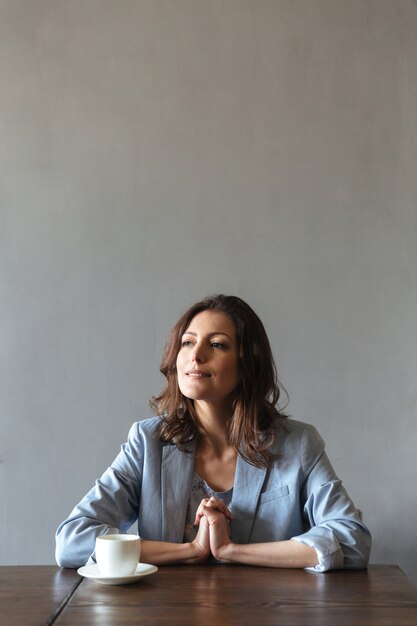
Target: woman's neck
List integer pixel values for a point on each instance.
(213, 423)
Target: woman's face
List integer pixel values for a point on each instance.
(207, 363)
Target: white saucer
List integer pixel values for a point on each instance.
(92, 571)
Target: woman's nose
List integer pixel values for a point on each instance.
(198, 354)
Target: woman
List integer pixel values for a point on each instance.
(221, 472)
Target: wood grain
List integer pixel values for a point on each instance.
(33, 595)
(239, 595)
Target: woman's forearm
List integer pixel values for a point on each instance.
(164, 553)
(288, 553)
(272, 554)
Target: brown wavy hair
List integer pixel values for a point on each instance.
(255, 404)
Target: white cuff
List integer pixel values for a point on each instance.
(328, 550)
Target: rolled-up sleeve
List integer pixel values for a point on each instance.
(336, 532)
(111, 506)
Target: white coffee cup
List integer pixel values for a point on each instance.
(117, 555)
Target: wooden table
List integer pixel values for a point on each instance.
(34, 594)
(215, 595)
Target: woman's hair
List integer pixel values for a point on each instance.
(255, 403)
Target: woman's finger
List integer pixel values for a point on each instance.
(215, 503)
(200, 511)
(212, 503)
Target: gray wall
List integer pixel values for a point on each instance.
(153, 152)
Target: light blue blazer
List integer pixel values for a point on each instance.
(299, 497)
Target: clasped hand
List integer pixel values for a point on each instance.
(213, 537)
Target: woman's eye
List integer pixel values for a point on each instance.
(186, 343)
(217, 345)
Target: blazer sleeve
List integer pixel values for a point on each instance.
(110, 507)
(336, 530)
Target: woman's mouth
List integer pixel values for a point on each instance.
(197, 374)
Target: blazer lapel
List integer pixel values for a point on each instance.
(176, 476)
(247, 488)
